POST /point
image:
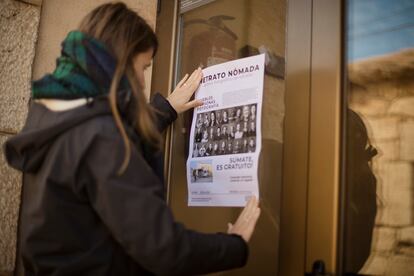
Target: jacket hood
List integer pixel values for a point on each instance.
(27, 150)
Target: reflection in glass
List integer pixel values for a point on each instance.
(379, 240)
(361, 194)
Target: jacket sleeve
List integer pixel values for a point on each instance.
(133, 209)
(165, 113)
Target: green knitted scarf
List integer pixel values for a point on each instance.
(84, 69)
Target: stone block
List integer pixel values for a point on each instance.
(370, 106)
(407, 250)
(380, 129)
(18, 32)
(396, 194)
(407, 140)
(10, 185)
(387, 151)
(397, 176)
(406, 235)
(400, 265)
(375, 265)
(402, 106)
(394, 215)
(384, 239)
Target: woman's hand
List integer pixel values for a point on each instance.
(179, 98)
(246, 222)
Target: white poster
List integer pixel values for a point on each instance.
(225, 138)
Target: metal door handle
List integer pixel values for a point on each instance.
(318, 269)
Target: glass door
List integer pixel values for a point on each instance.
(378, 193)
(300, 161)
(210, 33)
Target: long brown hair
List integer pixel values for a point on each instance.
(126, 34)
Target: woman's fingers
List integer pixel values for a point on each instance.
(253, 219)
(193, 81)
(251, 223)
(229, 227)
(249, 210)
(247, 220)
(179, 98)
(191, 86)
(194, 86)
(185, 81)
(244, 215)
(194, 104)
(194, 75)
(251, 204)
(182, 81)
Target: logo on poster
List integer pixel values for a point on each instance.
(237, 163)
(232, 73)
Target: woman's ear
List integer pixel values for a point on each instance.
(141, 62)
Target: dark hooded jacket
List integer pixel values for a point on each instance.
(78, 217)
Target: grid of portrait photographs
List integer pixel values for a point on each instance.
(226, 131)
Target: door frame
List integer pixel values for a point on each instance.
(325, 134)
(312, 127)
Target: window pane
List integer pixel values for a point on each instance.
(379, 214)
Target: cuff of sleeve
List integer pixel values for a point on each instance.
(245, 249)
(163, 105)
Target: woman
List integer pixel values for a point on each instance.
(225, 117)
(237, 117)
(218, 134)
(212, 135)
(253, 112)
(361, 192)
(218, 117)
(199, 121)
(205, 137)
(195, 151)
(236, 147)
(93, 197)
(245, 146)
(222, 150)
(245, 128)
(198, 135)
(252, 129)
(239, 133)
(230, 135)
(215, 149)
(246, 113)
(206, 120)
(229, 148)
(209, 150)
(212, 119)
(252, 145)
(224, 133)
(202, 151)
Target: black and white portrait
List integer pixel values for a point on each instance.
(226, 131)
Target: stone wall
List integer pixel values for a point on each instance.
(26, 47)
(18, 34)
(60, 16)
(382, 91)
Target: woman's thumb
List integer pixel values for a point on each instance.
(229, 227)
